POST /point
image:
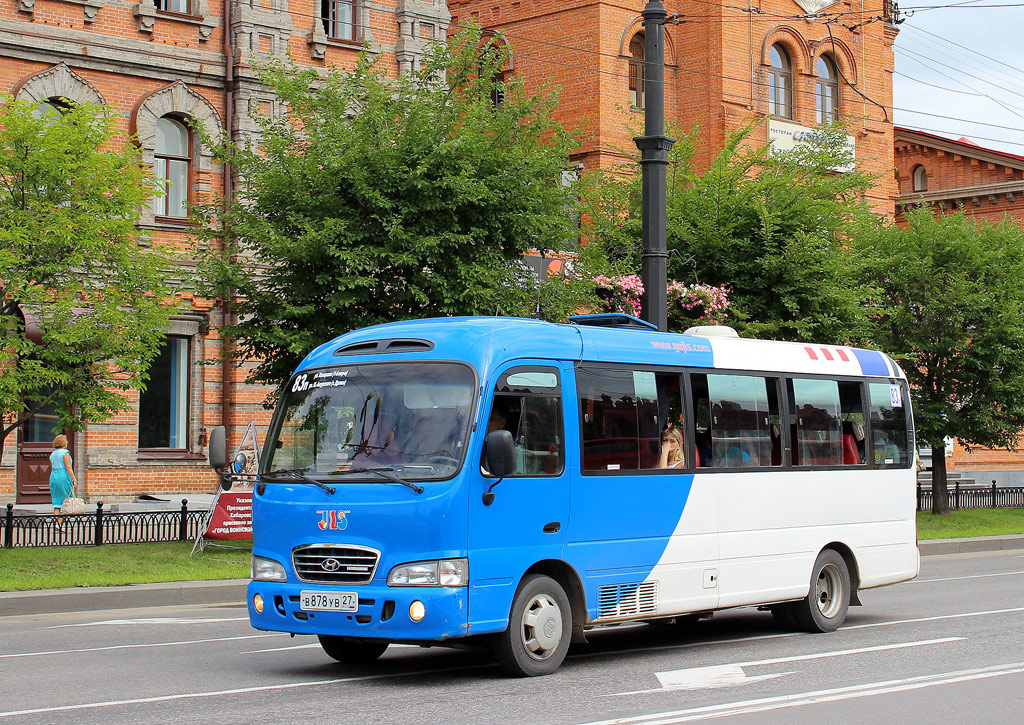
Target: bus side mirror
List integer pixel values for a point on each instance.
(500, 453)
(218, 448)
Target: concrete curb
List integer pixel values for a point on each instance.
(79, 599)
(935, 547)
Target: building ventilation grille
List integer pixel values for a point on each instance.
(625, 600)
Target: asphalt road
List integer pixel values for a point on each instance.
(947, 647)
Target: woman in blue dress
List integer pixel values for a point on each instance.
(62, 477)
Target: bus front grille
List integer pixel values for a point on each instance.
(334, 563)
(624, 600)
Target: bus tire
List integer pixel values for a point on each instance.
(351, 651)
(824, 607)
(539, 629)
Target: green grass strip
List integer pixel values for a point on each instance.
(118, 564)
(970, 522)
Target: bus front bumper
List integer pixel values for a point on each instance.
(384, 612)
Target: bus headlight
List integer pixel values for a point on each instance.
(267, 570)
(439, 573)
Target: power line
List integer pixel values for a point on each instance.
(491, 30)
(966, 60)
(917, 56)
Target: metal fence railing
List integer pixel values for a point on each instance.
(101, 527)
(974, 497)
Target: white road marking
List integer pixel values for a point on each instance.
(702, 678)
(151, 620)
(870, 689)
(780, 635)
(693, 678)
(936, 618)
(970, 576)
(283, 649)
(138, 646)
(236, 691)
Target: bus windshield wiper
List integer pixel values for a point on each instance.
(385, 472)
(298, 474)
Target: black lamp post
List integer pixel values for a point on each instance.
(654, 146)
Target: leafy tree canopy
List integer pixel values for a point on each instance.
(769, 228)
(948, 306)
(71, 266)
(376, 199)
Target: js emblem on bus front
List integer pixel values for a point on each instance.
(334, 520)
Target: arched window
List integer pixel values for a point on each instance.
(636, 71)
(172, 159)
(181, 7)
(489, 63)
(339, 18)
(827, 91)
(51, 106)
(919, 178)
(780, 83)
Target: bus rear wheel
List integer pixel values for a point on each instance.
(824, 607)
(351, 651)
(539, 629)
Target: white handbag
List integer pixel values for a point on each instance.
(72, 505)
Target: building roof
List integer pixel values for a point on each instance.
(967, 147)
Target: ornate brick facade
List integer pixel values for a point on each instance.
(167, 59)
(958, 174)
(717, 70)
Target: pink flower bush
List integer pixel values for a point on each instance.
(620, 294)
(700, 304)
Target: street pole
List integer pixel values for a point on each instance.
(654, 146)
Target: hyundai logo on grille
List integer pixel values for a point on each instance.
(331, 565)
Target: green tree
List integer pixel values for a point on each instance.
(769, 228)
(949, 301)
(376, 199)
(70, 264)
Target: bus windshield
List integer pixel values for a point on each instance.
(408, 418)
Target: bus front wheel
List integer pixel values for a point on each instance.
(824, 607)
(539, 629)
(352, 652)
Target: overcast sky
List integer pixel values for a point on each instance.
(975, 53)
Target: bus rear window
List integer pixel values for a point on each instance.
(888, 426)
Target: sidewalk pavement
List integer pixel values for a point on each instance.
(232, 591)
(196, 502)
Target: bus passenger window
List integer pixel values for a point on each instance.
(739, 416)
(853, 423)
(888, 426)
(527, 403)
(623, 413)
(815, 422)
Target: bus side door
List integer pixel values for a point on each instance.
(525, 523)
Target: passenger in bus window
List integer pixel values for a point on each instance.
(704, 448)
(671, 448)
(497, 421)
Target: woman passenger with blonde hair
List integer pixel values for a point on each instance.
(671, 448)
(62, 477)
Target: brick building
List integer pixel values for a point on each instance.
(725, 67)
(987, 184)
(157, 64)
(957, 174)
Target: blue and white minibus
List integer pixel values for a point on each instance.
(516, 483)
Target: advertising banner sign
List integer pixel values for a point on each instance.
(230, 515)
